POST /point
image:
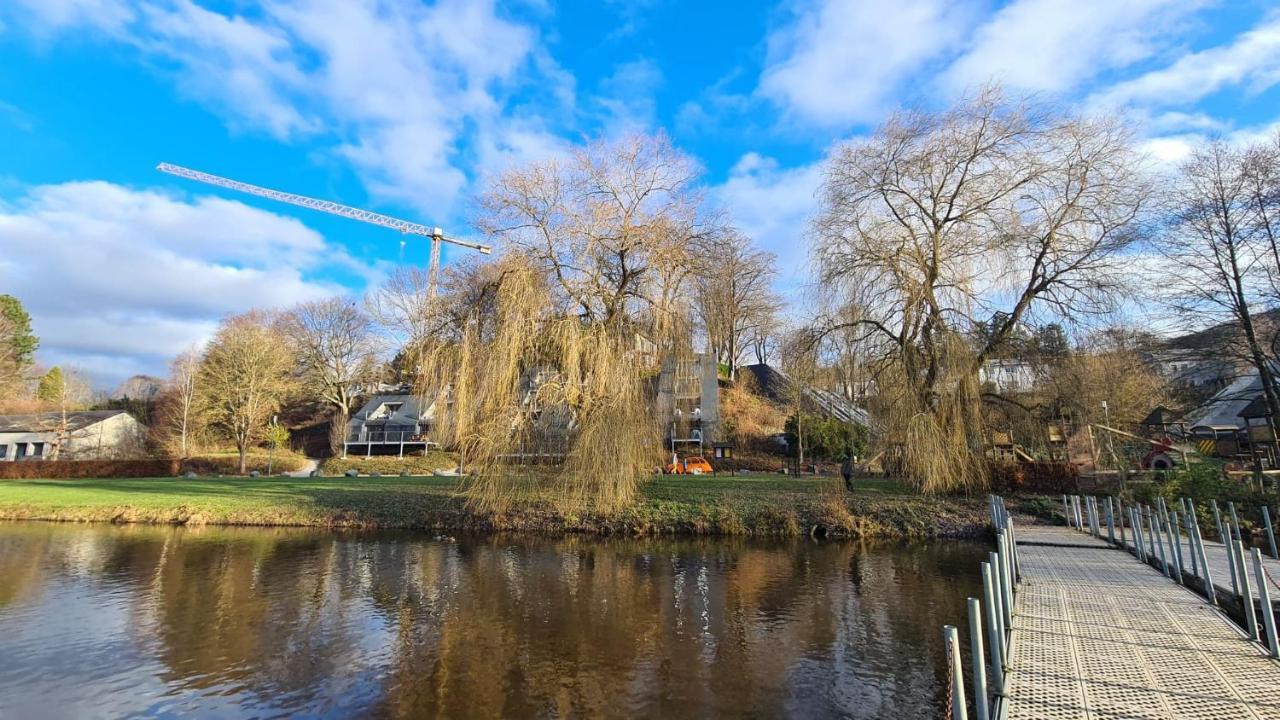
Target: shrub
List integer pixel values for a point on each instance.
(828, 438)
(390, 464)
(229, 464)
(1041, 477)
(161, 467)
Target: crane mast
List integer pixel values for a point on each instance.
(436, 235)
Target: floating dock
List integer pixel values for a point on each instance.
(1097, 634)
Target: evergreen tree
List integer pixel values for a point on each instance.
(17, 333)
(52, 385)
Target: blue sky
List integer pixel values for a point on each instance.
(406, 107)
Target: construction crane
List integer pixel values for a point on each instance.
(409, 228)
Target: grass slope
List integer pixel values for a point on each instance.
(732, 505)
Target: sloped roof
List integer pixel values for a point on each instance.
(1257, 408)
(409, 412)
(1161, 415)
(774, 385)
(1224, 408)
(51, 421)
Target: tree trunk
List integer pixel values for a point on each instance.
(338, 430)
(244, 451)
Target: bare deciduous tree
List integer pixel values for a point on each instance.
(179, 407)
(615, 226)
(401, 305)
(940, 219)
(735, 300)
(336, 352)
(244, 377)
(1220, 240)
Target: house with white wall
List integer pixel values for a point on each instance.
(89, 435)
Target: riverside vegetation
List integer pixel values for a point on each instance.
(666, 505)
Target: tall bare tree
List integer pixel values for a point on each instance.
(245, 375)
(336, 351)
(401, 305)
(735, 300)
(179, 410)
(615, 226)
(1219, 242)
(940, 219)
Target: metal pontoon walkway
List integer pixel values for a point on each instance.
(1097, 634)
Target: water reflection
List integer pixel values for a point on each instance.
(120, 621)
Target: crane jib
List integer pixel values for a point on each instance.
(327, 206)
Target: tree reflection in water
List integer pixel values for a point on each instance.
(110, 621)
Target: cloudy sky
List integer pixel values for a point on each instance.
(405, 107)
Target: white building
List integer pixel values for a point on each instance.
(90, 435)
(1008, 375)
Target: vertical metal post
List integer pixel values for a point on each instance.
(1206, 577)
(979, 660)
(1079, 515)
(1148, 532)
(1066, 510)
(1230, 547)
(1264, 594)
(1136, 524)
(1271, 533)
(1006, 587)
(1121, 514)
(1156, 530)
(1176, 526)
(1015, 566)
(1246, 593)
(1111, 522)
(998, 603)
(1235, 520)
(994, 637)
(1189, 511)
(1173, 548)
(1226, 544)
(952, 638)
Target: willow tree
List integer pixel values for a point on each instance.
(940, 220)
(592, 293)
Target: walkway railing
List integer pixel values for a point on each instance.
(1154, 535)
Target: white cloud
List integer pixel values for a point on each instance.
(626, 97)
(1252, 60)
(52, 15)
(398, 88)
(772, 205)
(840, 61)
(1055, 45)
(120, 280)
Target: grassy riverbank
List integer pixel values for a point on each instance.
(734, 505)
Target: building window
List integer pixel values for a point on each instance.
(4, 452)
(37, 449)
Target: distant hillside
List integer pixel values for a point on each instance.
(138, 387)
(1215, 336)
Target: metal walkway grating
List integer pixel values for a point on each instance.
(1098, 635)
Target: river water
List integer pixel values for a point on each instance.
(105, 621)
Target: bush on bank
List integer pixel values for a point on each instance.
(391, 464)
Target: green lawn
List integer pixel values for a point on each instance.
(767, 504)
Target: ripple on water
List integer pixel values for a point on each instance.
(213, 622)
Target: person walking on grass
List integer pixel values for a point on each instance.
(846, 471)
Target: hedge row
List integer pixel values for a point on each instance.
(1043, 477)
(390, 464)
(89, 468)
(146, 467)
